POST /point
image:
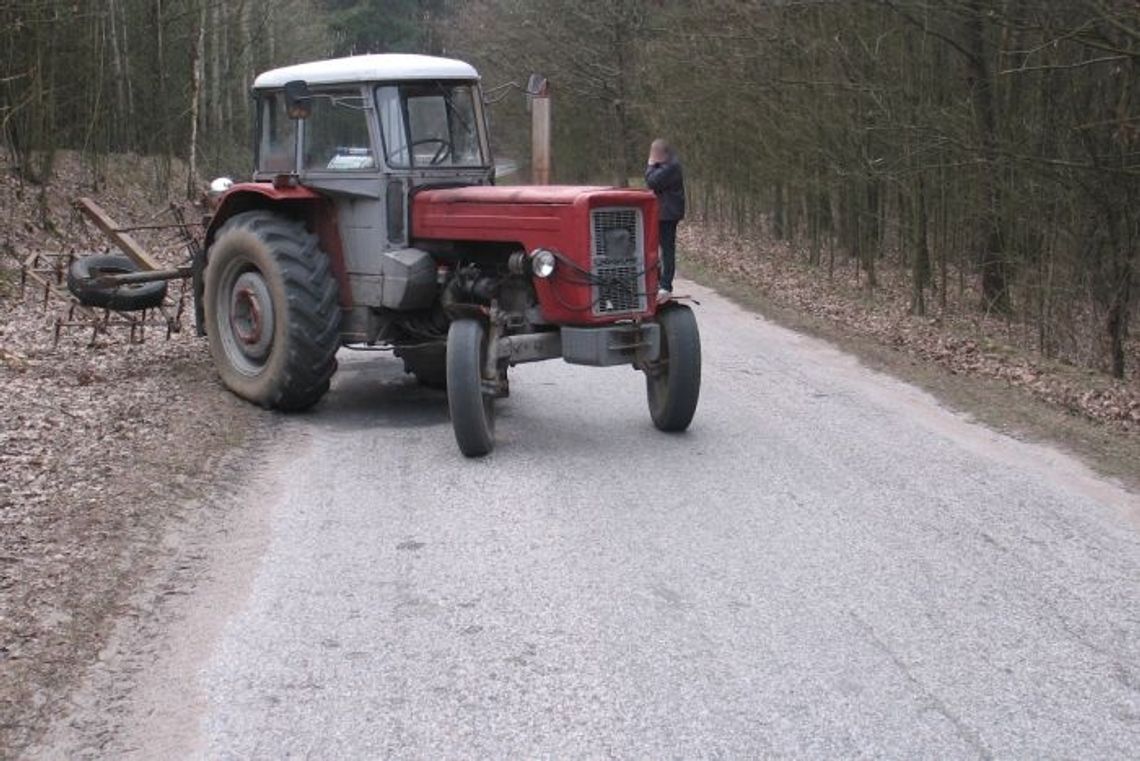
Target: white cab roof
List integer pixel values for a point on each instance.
(368, 68)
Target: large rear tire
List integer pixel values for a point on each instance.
(271, 311)
(673, 383)
(472, 407)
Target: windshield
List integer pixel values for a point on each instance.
(430, 124)
(336, 133)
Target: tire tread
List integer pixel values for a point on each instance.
(679, 331)
(313, 310)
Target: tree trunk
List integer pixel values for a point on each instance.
(869, 234)
(995, 289)
(118, 139)
(1120, 304)
(943, 245)
(195, 100)
(621, 147)
(1117, 325)
(621, 108)
(246, 43)
(132, 129)
(779, 213)
(214, 96)
(921, 251)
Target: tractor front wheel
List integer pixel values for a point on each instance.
(271, 311)
(468, 398)
(673, 382)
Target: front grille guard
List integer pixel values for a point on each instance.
(617, 256)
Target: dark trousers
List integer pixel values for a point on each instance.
(667, 232)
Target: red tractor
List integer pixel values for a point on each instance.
(373, 219)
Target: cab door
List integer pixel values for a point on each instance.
(433, 133)
(340, 156)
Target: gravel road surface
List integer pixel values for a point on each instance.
(828, 564)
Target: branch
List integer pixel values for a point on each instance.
(927, 30)
(1058, 66)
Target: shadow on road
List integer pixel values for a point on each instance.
(373, 391)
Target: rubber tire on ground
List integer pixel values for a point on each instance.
(303, 295)
(123, 298)
(472, 410)
(673, 394)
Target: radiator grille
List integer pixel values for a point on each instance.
(618, 261)
(619, 286)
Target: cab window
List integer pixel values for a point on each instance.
(276, 148)
(431, 124)
(391, 111)
(336, 133)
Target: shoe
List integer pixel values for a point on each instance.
(664, 295)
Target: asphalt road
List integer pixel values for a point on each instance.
(828, 564)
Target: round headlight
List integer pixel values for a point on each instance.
(542, 263)
(220, 186)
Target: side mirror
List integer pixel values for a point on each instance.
(297, 99)
(537, 86)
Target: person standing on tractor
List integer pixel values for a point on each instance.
(664, 177)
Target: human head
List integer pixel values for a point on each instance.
(661, 149)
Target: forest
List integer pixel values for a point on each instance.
(989, 147)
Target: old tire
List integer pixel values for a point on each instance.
(472, 408)
(123, 298)
(673, 383)
(271, 311)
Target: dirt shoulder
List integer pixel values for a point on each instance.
(104, 456)
(966, 363)
(106, 450)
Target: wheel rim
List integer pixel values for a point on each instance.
(245, 318)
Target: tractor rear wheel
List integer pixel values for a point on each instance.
(673, 382)
(472, 406)
(271, 311)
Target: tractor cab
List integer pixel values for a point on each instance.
(372, 128)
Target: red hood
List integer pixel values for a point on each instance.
(530, 215)
(557, 194)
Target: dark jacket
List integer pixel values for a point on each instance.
(668, 183)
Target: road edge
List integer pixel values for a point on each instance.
(994, 404)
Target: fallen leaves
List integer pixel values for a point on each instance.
(959, 340)
(100, 447)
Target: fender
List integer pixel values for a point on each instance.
(296, 201)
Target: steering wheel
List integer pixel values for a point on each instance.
(441, 153)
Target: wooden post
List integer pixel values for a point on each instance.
(127, 244)
(540, 132)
